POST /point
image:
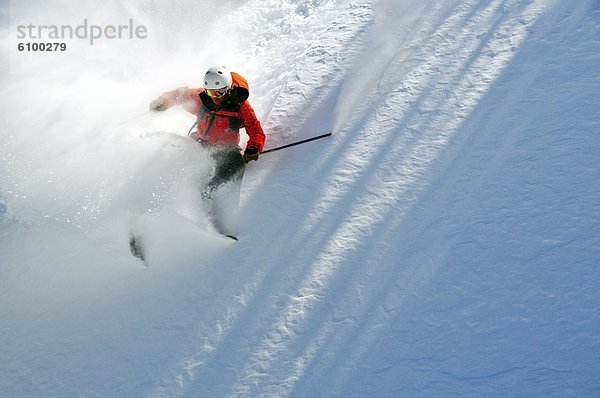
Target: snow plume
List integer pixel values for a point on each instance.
(78, 148)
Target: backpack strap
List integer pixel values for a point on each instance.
(227, 113)
(207, 102)
(229, 110)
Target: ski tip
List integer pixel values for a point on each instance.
(232, 237)
(135, 246)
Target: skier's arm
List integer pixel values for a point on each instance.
(168, 99)
(188, 97)
(253, 127)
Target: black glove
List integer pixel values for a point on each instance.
(156, 105)
(251, 153)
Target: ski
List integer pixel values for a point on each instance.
(136, 248)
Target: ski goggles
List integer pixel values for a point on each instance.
(218, 93)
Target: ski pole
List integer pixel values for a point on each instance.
(191, 128)
(296, 143)
(133, 118)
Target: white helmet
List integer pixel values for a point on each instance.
(217, 77)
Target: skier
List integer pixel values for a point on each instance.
(222, 108)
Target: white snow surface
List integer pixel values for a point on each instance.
(443, 242)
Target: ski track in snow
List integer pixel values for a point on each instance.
(443, 242)
(400, 137)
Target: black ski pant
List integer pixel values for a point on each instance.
(229, 166)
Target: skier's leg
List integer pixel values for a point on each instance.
(223, 191)
(230, 166)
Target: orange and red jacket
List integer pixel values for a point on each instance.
(219, 123)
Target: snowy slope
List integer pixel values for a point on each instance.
(443, 242)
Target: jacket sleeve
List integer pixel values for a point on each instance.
(252, 125)
(188, 97)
